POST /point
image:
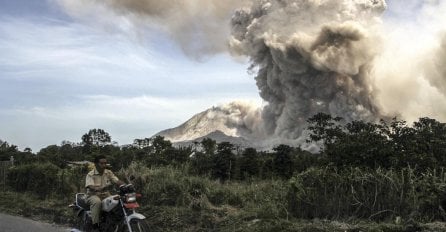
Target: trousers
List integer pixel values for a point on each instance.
(95, 207)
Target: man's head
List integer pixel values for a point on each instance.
(100, 162)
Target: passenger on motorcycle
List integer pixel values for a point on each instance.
(98, 182)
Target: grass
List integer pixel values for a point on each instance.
(175, 201)
(29, 205)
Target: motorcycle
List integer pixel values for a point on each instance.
(117, 215)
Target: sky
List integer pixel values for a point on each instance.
(61, 77)
(66, 68)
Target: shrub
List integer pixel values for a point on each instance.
(39, 178)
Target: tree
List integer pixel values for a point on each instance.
(51, 154)
(223, 162)
(356, 143)
(177, 156)
(97, 137)
(283, 162)
(365, 144)
(201, 163)
(142, 143)
(383, 144)
(202, 159)
(159, 151)
(431, 139)
(266, 165)
(209, 146)
(6, 147)
(402, 142)
(326, 129)
(249, 163)
(160, 144)
(9, 150)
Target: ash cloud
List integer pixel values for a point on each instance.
(311, 56)
(436, 73)
(200, 27)
(408, 69)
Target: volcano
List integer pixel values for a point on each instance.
(233, 122)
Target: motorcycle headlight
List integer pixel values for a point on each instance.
(130, 197)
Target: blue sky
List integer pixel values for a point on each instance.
(61, 76)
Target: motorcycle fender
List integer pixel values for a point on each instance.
(136, 216)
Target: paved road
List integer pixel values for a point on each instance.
(10, 223)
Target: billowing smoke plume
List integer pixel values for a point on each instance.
(436, 72)
(335, 56)
(312, 56)
(408, 69)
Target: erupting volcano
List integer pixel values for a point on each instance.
(341, 57)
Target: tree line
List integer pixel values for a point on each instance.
(391, 144)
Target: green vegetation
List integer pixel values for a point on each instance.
(367, 177)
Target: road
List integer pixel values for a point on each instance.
(10, 223)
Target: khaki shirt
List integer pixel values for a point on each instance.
(95, 179)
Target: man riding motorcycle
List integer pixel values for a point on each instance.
(97, 183)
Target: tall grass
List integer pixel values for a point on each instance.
(176, 201)
(181, 199)
(372, 194)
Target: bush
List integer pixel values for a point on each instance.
(39, 178)
(159, 186)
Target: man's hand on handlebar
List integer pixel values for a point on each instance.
(124, 188)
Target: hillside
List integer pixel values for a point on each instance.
(226, 123)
